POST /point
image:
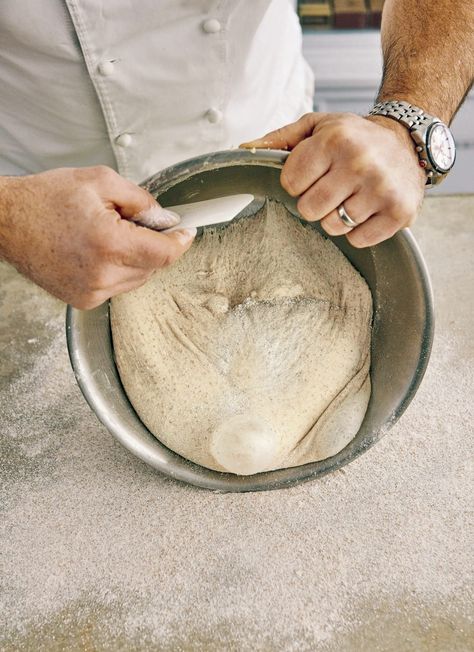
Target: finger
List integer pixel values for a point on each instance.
(360, 207)
(126, 286)
(338, 229)
(325, 195)
(306, 164)
(131, 201)
(120, 275)
(378, 228)
(151, 250)
(113, 285)
(157, 218)
(289, 136)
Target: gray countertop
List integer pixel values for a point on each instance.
(100, 552)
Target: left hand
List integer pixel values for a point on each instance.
(367, 164)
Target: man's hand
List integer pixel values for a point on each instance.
(72, 232)
(367, 164)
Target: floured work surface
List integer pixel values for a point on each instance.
(252, 352)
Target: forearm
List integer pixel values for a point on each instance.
(7, 193)
(428, 50)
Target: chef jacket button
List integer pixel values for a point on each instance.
(124, 140)
(214, 115)
(211, 26)
(106, 68)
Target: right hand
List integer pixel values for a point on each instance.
(72, 231)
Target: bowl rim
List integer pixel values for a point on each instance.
(150, 449)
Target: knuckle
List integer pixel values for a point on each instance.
(366, 165)
(324, 194)
(164, 256)
(346, 136)
(357, 240)
(352, 143)
(287, 182)
(386, 191)
(343, 127)
(397, 207)
(405, 216)
(167, 258)
(143, 279)
(400, 207)
(329, 227)
(332, 137)
(102, 173)
(391, 200)
(163, 260)
(305, 207)
(307, 119)
(378, 175)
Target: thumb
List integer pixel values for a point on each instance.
(289, 136)
(137, 204)
(151, 250)
(157, 218)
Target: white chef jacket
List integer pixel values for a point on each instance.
(141, 84)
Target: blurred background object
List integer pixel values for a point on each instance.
(340, 14)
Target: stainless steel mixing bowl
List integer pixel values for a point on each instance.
(401, 343)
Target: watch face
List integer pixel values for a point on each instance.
(441, 147)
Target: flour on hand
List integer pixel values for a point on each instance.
(251, 352)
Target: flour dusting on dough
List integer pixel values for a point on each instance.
(263, 327)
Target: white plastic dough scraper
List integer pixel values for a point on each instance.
(209, 211)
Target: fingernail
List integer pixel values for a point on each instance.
(185, 235)
(170, 217)
(157, 217)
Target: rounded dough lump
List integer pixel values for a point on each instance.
(252, 352)
(244, 445)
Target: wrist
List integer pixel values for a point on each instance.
(404, 138)
(429, 106)
(434, 142)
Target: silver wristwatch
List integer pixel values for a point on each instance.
(434, 142)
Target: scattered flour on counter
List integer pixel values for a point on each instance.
(98, 551)
(252, 352)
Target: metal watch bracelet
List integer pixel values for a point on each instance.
(417, 123)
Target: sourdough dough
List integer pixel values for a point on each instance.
(252, 352)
